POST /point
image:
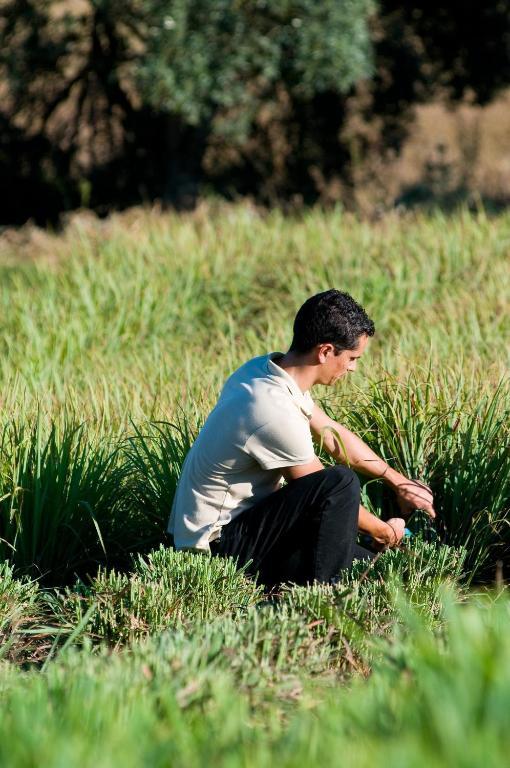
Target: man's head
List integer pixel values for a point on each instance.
(331, 316)
(332, 331)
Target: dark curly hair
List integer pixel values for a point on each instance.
(331, 316)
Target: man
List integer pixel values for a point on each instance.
(230, 499)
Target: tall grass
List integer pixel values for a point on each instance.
(134, 310)
(456, 441)
(59, 493)
(132, 325)
(154, 458)
(471, 473)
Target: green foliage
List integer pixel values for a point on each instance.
(102, 95)
(107, 103)
(430, 703)
(260, 647)
(471, 472)
(460, 447)
(18, 608)
(182, 589)
(167, 588)
(59, 494)
(155, 456)
(131, 325)
(175, 698)
(213, 55)
(362, 606)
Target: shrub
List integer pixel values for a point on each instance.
(167, 589)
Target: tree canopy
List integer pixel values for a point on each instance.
(107, 103)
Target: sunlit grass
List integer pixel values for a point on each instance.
(138, 314)
(116, 338)
(194, 699)
(126, 327)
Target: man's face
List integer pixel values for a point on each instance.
(337, 364)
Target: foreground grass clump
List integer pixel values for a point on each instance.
(323, 628)
(167, 588)
(265, 646)
(173, 699)
(187, 591)
(19, 608)
(362, 607)
(422, 569)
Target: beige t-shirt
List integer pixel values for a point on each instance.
(260, 424)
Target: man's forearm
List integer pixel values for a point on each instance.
(348, 448)
(376, 528)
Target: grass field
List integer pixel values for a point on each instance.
(116, 337)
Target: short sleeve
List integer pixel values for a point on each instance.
(281, 444)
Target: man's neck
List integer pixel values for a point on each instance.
(300, 368)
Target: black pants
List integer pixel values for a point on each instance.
(304, 532)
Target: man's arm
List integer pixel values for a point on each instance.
(300, 470)
(386, 533)
(349, 449)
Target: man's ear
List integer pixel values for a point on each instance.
(324, 351)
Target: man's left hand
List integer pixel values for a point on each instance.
(412, 495)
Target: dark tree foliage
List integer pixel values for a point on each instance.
(110, 102)
(464, 44)
(68, 113)
(449, 50)
(215, 67)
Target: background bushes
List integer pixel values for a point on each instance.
(110, 103)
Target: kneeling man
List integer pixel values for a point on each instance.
(231, 498)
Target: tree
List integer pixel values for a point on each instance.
(109, 102)
(68, 109)
(107, 93)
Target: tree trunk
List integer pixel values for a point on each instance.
(185, 148)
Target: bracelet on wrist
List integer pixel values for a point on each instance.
(395, 537)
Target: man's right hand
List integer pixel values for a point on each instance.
(390, 533)
(412, 495)
(397, 527)
(385, 534)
